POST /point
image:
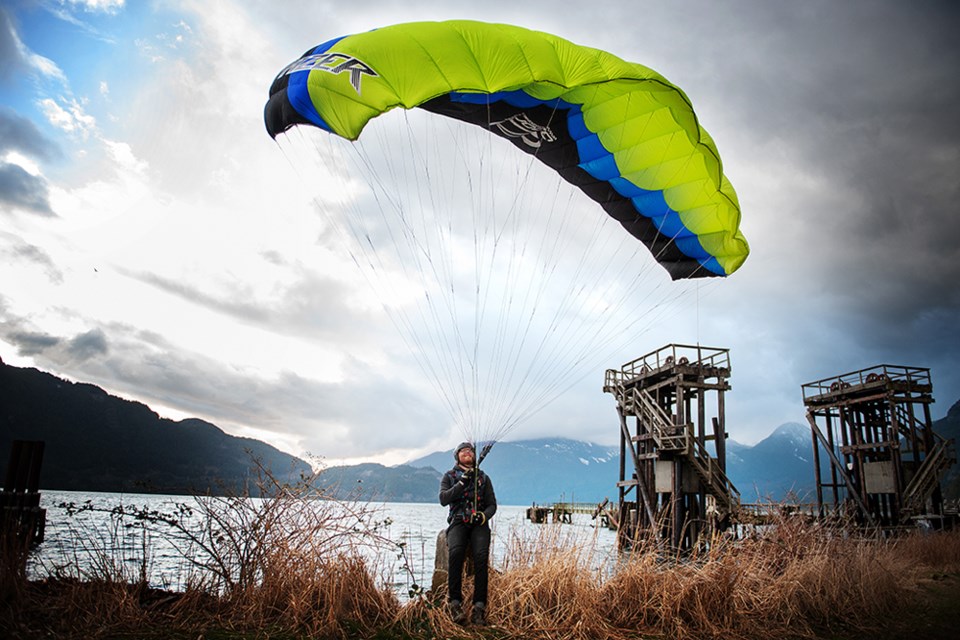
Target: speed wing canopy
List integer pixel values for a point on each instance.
(619, 131)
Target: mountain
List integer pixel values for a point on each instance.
(523, 472)
(779, 465)
(544, 470)
(949, 427)
(557, 469)
(98, 442)
(378, 483)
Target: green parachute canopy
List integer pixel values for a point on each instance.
(617, 130)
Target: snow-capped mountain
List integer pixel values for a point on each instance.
(557, 469)
(779, 464)
(544, 470)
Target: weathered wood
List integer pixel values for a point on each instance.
(888, 458)
(665, 396)
(441, 563)
(22, 521)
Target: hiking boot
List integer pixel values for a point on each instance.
(455, 609)
(479, 614)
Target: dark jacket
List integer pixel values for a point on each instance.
(460, 498)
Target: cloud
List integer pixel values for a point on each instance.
(88, 345)
(15, 249)
(332, 419)
(16, 59)
(11, 60)
(68, 115)
(30, 343)
(21, 190)
(836, 124)
(99, 6)
(18, 133)
(311, 305)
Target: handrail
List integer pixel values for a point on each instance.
(666, 435)
(879, 374)
(675, 354)
(925, 480)
(722, 486)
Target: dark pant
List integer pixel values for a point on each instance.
(459, 535)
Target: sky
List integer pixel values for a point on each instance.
(156, 242)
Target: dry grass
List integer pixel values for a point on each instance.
(932, 549)
(548, 585)
(296, 567)
(797, 579)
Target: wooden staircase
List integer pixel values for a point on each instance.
(679, 439)
(927, 478)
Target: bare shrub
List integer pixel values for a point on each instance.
(291, 560)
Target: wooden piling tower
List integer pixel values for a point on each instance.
(673, 484)
(883, 462)
(21, 518)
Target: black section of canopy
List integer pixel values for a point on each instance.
(562, 156)
(278, 114)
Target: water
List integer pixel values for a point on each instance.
(91, 543)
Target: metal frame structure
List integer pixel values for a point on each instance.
(672, 486)
(883, 461)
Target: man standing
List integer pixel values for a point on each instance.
(469, 493)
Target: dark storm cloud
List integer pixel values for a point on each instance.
(837, 122)
(18, 188)
(24, 191)
(18, 133)
(864, 96)
(88, 345)
(31, 343)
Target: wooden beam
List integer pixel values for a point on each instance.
(839, 466)
(641, 484)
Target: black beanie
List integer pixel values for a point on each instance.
(460, 447)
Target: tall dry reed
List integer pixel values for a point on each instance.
(794, 579)
(932, 548)
(548, 587)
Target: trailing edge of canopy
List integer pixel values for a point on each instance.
(618, 130)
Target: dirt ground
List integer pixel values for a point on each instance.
(937, 613)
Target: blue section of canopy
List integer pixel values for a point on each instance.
(299, 96)
(600, 163)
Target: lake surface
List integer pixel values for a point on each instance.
(92, 543)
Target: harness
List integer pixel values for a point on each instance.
(472, 499)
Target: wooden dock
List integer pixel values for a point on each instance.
(563, 512)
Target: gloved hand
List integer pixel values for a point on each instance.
(467, 477)
(478, 518)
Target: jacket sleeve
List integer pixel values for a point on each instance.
(489, 499)
(449, 490)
